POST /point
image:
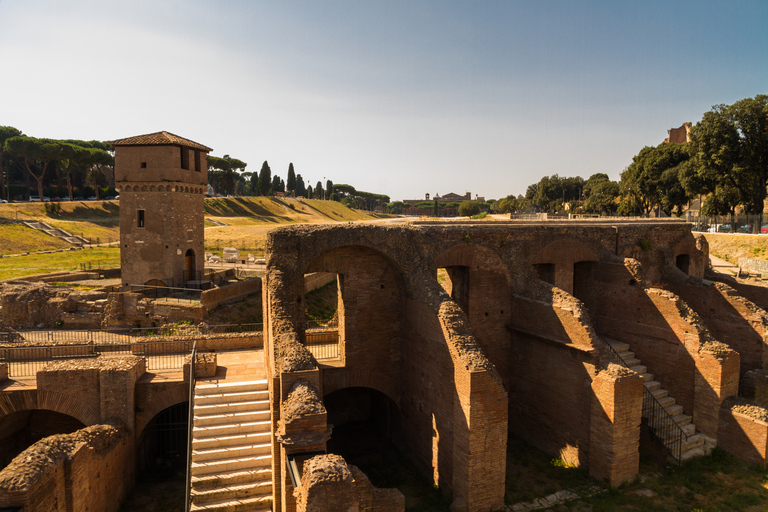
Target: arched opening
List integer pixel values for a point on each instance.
(189, 266)
(19, 430)
(683, 262)
(366, 427)
(583, 278)
(154, 283)
(163, 443)
(370, 305)
(479, 282)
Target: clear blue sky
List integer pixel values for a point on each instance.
(395, 97)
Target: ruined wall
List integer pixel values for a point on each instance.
(667, 336)
(730, 318)
(91, 469)
(744, 431)
(553, 361)
(232, 292)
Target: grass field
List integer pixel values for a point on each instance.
(19, 266)
(247, 219)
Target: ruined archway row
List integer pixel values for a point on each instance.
(494, 318)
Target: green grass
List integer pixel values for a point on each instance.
(19, 266)
(17, 238)
(717, 482)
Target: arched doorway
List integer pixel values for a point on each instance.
(366, 426)
(189, 266)
(163, 443)
(21, 429)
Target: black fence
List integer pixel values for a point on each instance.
(755, 224)
(159, 355)
(660, 423)
(168, 293)
(123, 335)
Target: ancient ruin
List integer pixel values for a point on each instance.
(594, 341)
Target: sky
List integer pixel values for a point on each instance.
(394, 97)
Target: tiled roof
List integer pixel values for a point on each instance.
(159, 139)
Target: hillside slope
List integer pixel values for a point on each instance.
(247, 221)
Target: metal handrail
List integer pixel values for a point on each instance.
(190, 423)
(660, 423)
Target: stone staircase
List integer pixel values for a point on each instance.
(59, 233)
(231, 447)
(696, 444)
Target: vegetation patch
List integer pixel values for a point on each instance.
(20, 266)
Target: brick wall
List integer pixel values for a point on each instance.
(743, 436)
(231, 292)
(731, 318)
(91, 469)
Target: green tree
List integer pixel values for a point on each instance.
(36, 154)
(301, 190)
(290, 183)
(6, 132)
(265, 180)
(329, 190)
(653, 178)
(730, 150)
(319, 190)
(276, 184)
(469, 208)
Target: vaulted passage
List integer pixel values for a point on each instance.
(20, 430)
(163, 444)
(366, 424)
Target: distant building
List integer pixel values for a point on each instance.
(679, 135)
(447, 198)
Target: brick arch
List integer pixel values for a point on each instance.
(697, 250)
(158, 403)
(474, 256)
(563, 254)
(161, 188)
(71, 405)
(381, 382)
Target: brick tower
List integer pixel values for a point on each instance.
(162, 179)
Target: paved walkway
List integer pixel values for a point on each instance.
(722, 266)
(238, 365)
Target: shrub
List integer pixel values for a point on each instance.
(469, 208)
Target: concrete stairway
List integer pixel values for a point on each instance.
(231, 448)
(59, 233)
(696, 444)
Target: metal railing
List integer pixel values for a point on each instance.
(660, 423)
(190, 425)
(322, 340)
(159, 355)
(123, 335)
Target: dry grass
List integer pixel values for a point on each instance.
(733, 247)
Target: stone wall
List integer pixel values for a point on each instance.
(744, 432)
(209, 299)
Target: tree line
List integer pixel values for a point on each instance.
(725, 162)
(67, 164)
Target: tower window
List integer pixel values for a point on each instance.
(143, 165)
(140, 219)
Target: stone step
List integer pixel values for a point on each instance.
(201, 431)
(632, 361)
(234, 477)
(666, 402)
(231, 464)
(647, 377)
(659, 393)
(651, 385)
(618, 346)
(670, 431)
(229, 418)
(226, 408)
(203, 442)
(231, 397)
(234, 451)
(237, 491)
(230, 387)
(682, 419)
(689, 454)
(626, 354)
(674, 410)
(640, 369)
(257, 504)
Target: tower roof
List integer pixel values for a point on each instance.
(159, 139)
